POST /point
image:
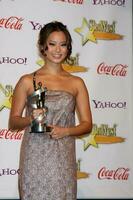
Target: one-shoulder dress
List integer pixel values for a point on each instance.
(48, 166)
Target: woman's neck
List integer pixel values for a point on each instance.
(53, 68)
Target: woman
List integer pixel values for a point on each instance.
(48, 160)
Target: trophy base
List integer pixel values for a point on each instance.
(40, 128)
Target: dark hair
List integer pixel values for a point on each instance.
(47, 29)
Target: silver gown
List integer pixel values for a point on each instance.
(48, 166)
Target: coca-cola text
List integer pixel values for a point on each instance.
(12, 22)
(120, 173)
(116, 70)
(9, 135)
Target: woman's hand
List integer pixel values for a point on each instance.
(38, 115)
(58, 132)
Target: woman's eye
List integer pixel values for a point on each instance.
(64, 45)
(51, 44)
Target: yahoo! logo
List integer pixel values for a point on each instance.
(9, 172)
(36, 25)
(8, 60)
(109, 2)
(108, 104)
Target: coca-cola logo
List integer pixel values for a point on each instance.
(12, 22)
(121, 173)
(109, 2)
(8, 60)
(9, 135)
(116, 70)
(108, 104)
(72, 1)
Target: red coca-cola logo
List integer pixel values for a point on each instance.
(116, 70)
(72, 1)
(120, 173)
(9, 135)
(12, 22)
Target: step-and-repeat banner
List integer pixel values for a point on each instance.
(102, 56)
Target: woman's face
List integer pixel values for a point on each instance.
(56, 50)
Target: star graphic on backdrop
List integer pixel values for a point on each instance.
(85, 32)
(88, 140)
(6, 98)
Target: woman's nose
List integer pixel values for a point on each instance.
(57, 48)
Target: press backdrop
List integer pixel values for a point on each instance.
(102, 56)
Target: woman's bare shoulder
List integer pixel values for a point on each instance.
(26, 78)
(76, 79)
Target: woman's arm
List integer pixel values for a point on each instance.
(16, 121)
(83, 112)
